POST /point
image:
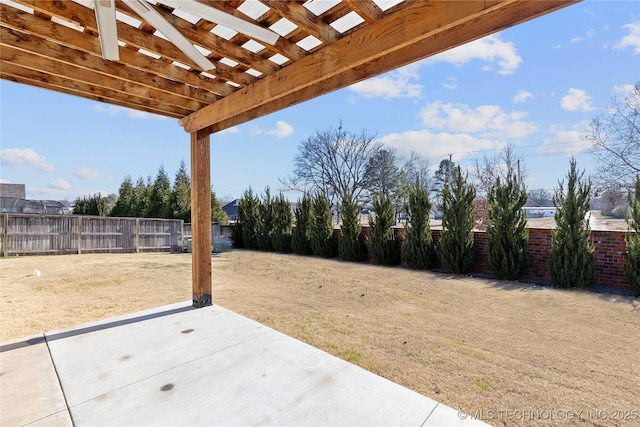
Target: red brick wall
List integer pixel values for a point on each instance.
(609, 255)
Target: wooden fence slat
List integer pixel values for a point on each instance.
(5, 235)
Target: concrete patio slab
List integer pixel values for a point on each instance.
(179, 366)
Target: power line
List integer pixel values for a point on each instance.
(518, 148)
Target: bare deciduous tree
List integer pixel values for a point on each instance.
(539, 198)
(504, 164)
(615, 139)
(333, 162)
(417, 167)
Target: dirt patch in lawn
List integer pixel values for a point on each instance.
(515, 354)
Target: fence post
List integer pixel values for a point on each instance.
(137, 237)
(181, 240)
(79, 235)
(5, 236)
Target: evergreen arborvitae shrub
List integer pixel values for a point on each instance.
(632, 267)
(417, 243)
(382, 245)
(217, 214)
(349, 246)
(265, 224)
(281, 219)
(507, 234)
(300, 240)
(322, 227)
(249, 218)
(456, 243)
(236, 234)
(571, 261)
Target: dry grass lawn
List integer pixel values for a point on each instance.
(473, 344)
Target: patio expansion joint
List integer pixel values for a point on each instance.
(269, 331)
(55, 369)
(430, 413)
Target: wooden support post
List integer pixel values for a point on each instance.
(201, 218)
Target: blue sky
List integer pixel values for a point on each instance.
(535, 86)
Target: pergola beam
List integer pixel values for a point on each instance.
(419, 30)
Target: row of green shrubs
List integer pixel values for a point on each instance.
(266, 223)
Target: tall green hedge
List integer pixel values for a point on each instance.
(304, 218)
(571, 261)
(349, 246)
(632, 267)
(417, 244)
(456, 243)
(265, 223)
(281, 220)
(249, 219)
(507, 235)
(382, 245)
(322, 227)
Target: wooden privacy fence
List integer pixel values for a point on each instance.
(62, 234)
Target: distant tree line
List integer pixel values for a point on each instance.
(340, 173)
(149, 198)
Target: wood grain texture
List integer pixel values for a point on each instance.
(420, 30)
(54, 44)
(201, 217)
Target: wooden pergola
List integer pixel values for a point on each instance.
(324, 45)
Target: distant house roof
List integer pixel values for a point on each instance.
(231, 209)
(13, 190)
(22, 206)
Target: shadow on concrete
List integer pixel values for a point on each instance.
(93, 328)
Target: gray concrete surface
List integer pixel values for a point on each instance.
(30, 393)
(178, 366)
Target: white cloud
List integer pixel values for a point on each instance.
(109, 110)
(232, 129)
(632, 39)
(436, 146)
(4, 181)
(396, 84)
(114, 110)
(85, 172)
(25, 158)
(49, 193)
(586, 36)
(137, 115)
(576, 100)
(623, 90)
(491, 49)
(282, 130)
(522, 96)
(59, 184)
(565, 141)
(486, 120)
(451, 83)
